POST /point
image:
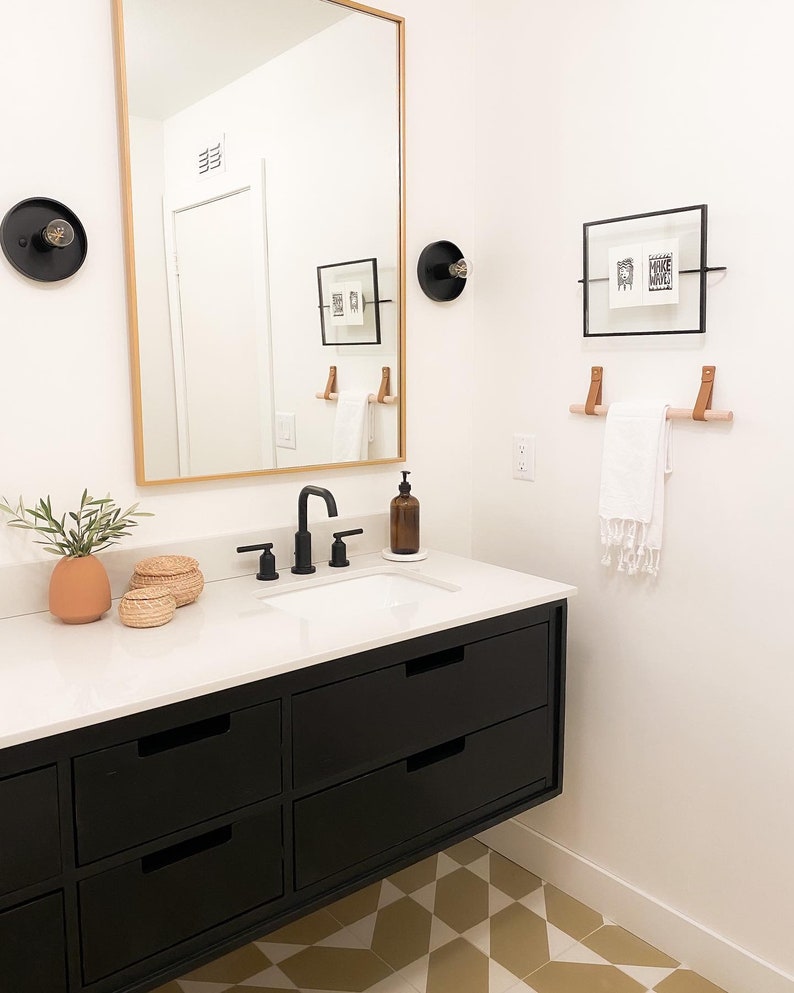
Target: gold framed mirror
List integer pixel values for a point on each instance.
(262, 149)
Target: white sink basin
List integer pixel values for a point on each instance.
(338, 596)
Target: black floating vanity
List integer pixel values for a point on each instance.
(134, 849)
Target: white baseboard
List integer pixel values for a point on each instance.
(712, 956)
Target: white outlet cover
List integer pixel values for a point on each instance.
(524, 457)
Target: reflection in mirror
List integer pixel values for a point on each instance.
(261, 141)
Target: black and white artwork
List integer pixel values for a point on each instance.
(625, 276)
(349, 302)
(660, 272)
(338, 304)
(646, 273)
(643, 275)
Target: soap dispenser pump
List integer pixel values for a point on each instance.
(404, 520)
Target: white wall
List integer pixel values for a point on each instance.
(65, 409)
(679, 734)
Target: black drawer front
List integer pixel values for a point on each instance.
(418, 704)
(32, 947)
(343, 825)
(30, 844)
(145, 789)
(146, 906)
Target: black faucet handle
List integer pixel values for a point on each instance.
(339, 549)
(267, 561)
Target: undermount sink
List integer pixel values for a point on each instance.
(336, 596)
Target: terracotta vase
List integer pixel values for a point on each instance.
(79, 590)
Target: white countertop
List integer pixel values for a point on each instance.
(56, 677)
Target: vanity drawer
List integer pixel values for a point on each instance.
(341, 826)
(146, 906)
(30, 843)
(32, 947)
(147, 788)
(408, 707)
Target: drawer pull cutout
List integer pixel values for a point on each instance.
(435, 661)
(186, 849)
(163, 741)
(436, 754)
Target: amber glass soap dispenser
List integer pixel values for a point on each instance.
(404, 520)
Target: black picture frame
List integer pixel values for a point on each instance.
(688, 227)
(362, 274)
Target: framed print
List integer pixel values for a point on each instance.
(646, 273)
(349, 303)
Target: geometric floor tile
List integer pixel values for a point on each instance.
(305, 931)
(518, 940)
(569, 915)
(461, 900)
(622, 948)
(464, 921)
(232, 968)
(458, 966)
(511, 878)
(467, 851)
(646, 975)
(416, 876)
(353, 970)
(357, 905)
(572, 977)
(684, 981)
(402, 933)
(188, 986)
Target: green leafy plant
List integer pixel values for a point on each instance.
(96, 525)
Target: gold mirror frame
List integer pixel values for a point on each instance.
(132, 297)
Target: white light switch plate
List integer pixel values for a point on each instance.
(285, 430)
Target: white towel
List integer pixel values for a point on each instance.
(350, 441)
(637, 457)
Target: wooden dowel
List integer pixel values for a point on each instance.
(372, 398)
(673, 413)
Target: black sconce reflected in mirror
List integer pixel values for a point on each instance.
(442, 270)
(43, 239)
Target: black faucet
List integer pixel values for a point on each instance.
(303, 539)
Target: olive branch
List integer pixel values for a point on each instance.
(96, 525)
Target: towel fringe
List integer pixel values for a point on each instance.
(629, 538)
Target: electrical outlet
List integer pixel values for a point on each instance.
(524, 456)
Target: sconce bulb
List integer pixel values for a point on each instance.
(461, 269)
(58, 233)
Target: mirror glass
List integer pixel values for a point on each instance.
(262, 159)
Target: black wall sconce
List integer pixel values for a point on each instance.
(442, 271)
(43, 239)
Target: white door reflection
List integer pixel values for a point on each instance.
(223, 381)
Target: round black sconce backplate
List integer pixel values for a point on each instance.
(432, 271)
(26, 249)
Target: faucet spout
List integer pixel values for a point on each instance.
(303, 539)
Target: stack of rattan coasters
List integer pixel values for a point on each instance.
(147, 607)
(180, 574)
